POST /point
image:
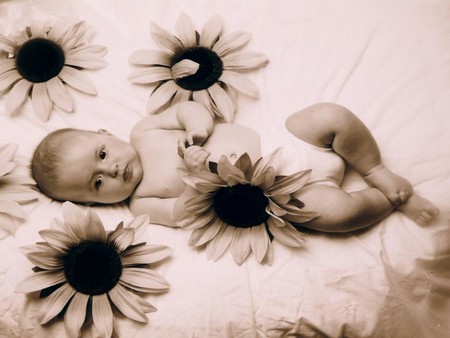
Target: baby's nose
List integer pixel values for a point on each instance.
(114, 170)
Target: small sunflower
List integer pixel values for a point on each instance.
(81, 266)
(42, 60)
(15, 189)
(202, 67)
(243, 206)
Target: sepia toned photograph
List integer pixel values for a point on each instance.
(224, 168)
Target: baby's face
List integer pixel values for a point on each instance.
(98, 167)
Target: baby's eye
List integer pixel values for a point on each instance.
(102, 154)
(98, 183)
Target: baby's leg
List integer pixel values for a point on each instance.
(418, 209)
(341, 211)
(327, 124)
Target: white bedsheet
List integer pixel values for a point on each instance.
(387, 61)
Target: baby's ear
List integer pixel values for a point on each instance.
(103, 132)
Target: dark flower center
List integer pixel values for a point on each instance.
(242, 205)
(92, 268)
(39, 60)
(208, 73)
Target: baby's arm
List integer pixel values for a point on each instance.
(160, 210)
(190, 116)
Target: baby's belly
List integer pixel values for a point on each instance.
(160, 160)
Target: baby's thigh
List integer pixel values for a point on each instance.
(337, 209)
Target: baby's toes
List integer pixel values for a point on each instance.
(404, 195)
(394, 198)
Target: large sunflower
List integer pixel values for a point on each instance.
(82, 264)
(15, 189)
(42, 60)
(202, 67)
(244, 206)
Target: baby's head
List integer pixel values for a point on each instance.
(86, 166)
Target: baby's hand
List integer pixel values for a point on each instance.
(192, 137)
(195, 158)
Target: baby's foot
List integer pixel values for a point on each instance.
(394, 187)
(419, 210)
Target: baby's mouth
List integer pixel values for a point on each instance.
(126, 173)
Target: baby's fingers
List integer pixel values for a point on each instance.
(182, 147)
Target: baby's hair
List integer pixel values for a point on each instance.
(47, 159)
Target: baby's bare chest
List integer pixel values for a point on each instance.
(159, 158)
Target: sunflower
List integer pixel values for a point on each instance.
(81, 264)
(244, 206)
(15, 189)
(202, 67)
(42, 60)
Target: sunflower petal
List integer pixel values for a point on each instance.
(231, 41)
(39, 29)
(95, 231)
(220, 243)
(12, 208)
(18, 193)
(202, 97)
(198, 221)
(240, 83)
(289, 184)
(287, 235)
(268, 259)
(88, 61)
(211, 31)
(122, 238)
(59, 95)
(165, 39)
(73, 36)
(143, 280)
(259, 241)
(146, 306)
(7, 44)
(186, 31)
(150, 75)
(227, 171)
(8, 225)
(240, 245)
(244, 164)
(7, 152)
(8, 78)
(77, 80)
(184, 68)
(204, 235)
(161, 95)
(6, 65)
(41, 101)
(145, 254)
(264, 163)
(244, 61)
(55, 303)
(127, 304)
(221, 102)
(265, 179)
(17, 96)
(102, 315)
(181, 95)
(76, 314)
(58, 240)
(75, 220)
(46, 260)
(90, 49)
(147, 57)
(41, 280)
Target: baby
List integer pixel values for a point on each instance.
(97, 167)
